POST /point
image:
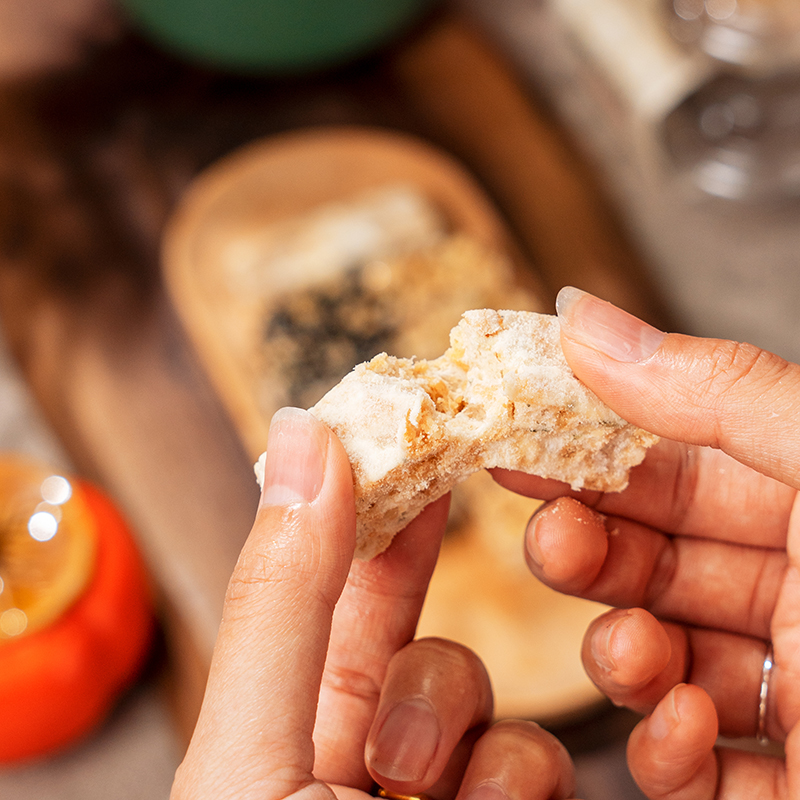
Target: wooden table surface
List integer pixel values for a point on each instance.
(93, 160)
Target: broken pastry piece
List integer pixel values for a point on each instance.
(501, 396)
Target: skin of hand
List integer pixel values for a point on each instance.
(317, 688)
(699, 557)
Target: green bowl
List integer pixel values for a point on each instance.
(281, 36)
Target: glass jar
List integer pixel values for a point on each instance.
(738, 135)
(761, 36)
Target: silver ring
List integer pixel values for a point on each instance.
(763, 696)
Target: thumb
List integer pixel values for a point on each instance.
(713, 392)
(254, 733)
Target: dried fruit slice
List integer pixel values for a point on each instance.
(77, 609)
(47, 546)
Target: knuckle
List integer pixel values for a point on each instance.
(440, 665)
(516, 737)
(684, 482)
(736, 377)
(769, 570)
(256, 569)
(740, 370)
(267, 572)
(252, 578)
(350, 682)
(450, 658)
(663, 573)
(522, 729)
(524, 745)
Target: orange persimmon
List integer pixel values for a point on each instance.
(76, 620)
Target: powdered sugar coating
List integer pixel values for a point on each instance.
(502, 395)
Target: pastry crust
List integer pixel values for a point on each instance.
(501, 396)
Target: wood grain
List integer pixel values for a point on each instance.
(470, 97)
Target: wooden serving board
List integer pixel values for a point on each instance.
(93, 162)
(481, 593)
(276, 180)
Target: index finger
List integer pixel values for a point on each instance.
(254, 733)
(711, 392)
(685, 490)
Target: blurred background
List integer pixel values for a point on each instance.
(210, 208)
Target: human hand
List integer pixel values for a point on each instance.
(700, 555)
(316, 687)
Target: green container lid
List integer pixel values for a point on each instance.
(273, 35)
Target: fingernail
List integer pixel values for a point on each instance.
(533, 550)
(295, 461)
(665, 716)
(601, 644)
(604, 327)
(406, 742)
(487, 791)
